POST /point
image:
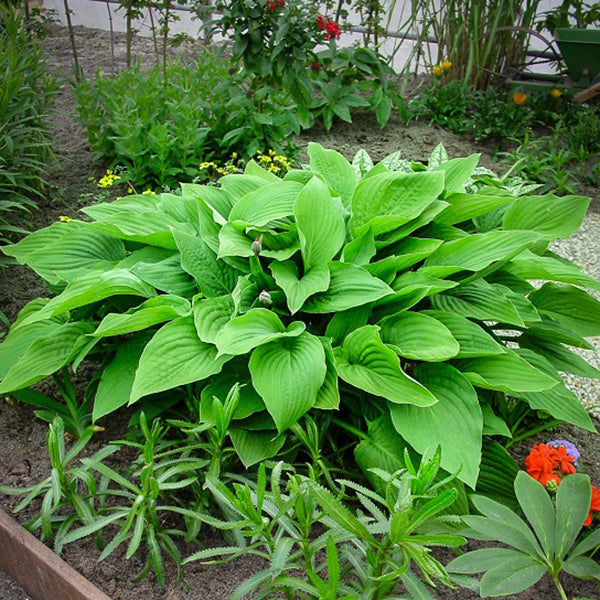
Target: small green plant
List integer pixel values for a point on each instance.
(548, 544)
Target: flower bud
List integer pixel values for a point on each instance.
(265, 298)
(257, 246)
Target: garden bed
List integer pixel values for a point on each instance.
(23, 459)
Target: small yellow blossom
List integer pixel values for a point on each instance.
(149, 192)
(234, 155)
(129, 190)
(65, 219)
(108, 179)
(519, 98)
(446, 65)
(555, 93)
(437, 71)
(90, 179)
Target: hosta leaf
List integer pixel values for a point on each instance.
(570, 306)
(344, 322)
(572, 507)
(335, 170)
(457, 172)
(117, 378)
(463, 207)
(249, 402)
(418, 336)
(156, 310)
(493, 424)
(163, 272)
(436, 207)
(365, 362)
(552, 216)
(257, 326)
(63, 251)
(472, 339)
(507, 373)
(328, 396)
(288, 373)
(174, 356)
(268, 203)
(210, 314)
(511, 576)
(551, 329)
(237, 186)
(454, 423)
(390, 200)
(478, 300)
(214, 276)
(497, 473)
(233, 242)
(47, 354)
(350, 286)
(406, 253)
(244, 294)
(254, 169)
(217, 198)
(478, 251)
(296, 290)
(361, 249)
(93, 287)
(255, 446)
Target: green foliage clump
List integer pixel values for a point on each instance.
(396, 296)
(26, 95)
(160, 126)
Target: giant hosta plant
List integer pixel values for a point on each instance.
(396, 283)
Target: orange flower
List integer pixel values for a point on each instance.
(563, 460)
(519, 98)
(555, 93)
(540, 464)
(594, 506)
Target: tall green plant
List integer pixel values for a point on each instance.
(396, 293)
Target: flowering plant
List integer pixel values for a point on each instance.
(546, 463)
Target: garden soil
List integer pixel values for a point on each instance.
(23, 458)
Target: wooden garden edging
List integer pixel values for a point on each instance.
(37, 569)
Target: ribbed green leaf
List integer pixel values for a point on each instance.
(218, 199)
(234, 242)
(214, 276)
(390, 200)
(156, 310)
(63, 251)
(174, 356)
(463, 207)
(365, 362)
(269, 202)
(507, 373)
(321, 226)
(571, 306)
(349, 286)
(162, 271)
(335, 170)
(418, 336)
(553, 216)
(457, 172)
(255, 446)
(328, 396)
(51, 351)
(473, 340)
(257, 326)
(298, 290)
(288, 373)
(492, 423)
(361, 249)
(454, 423)
(210, 314)
(497, 473)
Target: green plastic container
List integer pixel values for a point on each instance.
(580, 49)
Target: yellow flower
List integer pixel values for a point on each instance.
(90, 179)
(446, 65)
(519, 98)
(129, 190)
(65, 219)
(555, 93)
(149, 192)
(437, 71)
(234, 155)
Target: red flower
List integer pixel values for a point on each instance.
(330, 27)
(540, 464)
(564, 460)
(594, 506)
(272, 5)
(315, 66)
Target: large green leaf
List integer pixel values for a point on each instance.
(497, 473)
(297, 290)
(506, 372)
(218, 199)
(463, 207)
(418, 336)
(156, 310)
(455, 422)
(365, 362)
(571, 306)
(214, 276)
(117, 378)
(361, 249)
(335, 170)
(210, 314)
(63, 251)
(390, 200)
(350, 286)
(288, 373)
(328, 396)
(257, 326)
(552, 216)
(268, 203)
(572, 507)
(321, 226)
(473, 340)
(478, 251)
(174, 356)
(457, 172)
(162, 272)
(45, 355)
(255, 446)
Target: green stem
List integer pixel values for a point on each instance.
(533, 431)
(560, 588)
